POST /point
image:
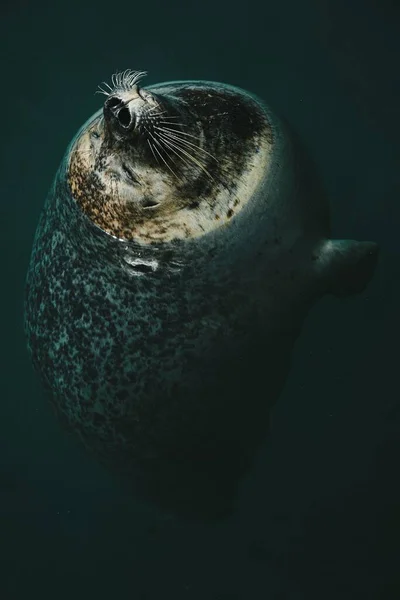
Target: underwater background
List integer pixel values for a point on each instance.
(319, 515)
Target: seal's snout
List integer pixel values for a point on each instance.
(118, 113)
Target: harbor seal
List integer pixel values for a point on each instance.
(182, 243)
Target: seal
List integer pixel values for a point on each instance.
(183, 242)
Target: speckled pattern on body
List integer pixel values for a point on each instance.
(173, 353)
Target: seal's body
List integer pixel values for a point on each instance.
(182, 243)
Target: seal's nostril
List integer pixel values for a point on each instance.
(115, 108)
(124, 117)
(113, 102)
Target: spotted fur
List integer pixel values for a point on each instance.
(166, 357)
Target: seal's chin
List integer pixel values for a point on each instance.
(115, 191)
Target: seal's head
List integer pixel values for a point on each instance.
(171, 161)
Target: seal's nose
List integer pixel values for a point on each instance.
(117, 114)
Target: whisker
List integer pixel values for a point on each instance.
(151, 114)
(178, 131)
(101, 91)
(187, 145)
(152, 151)
(123, 81)
(162, 158)
(180, 157)
(162, 119)
(177, 124)
(165, 162)
(172, 145)
(185, 142)
(161, 113)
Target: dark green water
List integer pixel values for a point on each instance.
(319, 517)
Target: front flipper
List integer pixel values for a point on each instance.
(346, 266)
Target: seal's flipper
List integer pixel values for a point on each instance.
(347, 265)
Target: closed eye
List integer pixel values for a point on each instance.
(129, 174)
